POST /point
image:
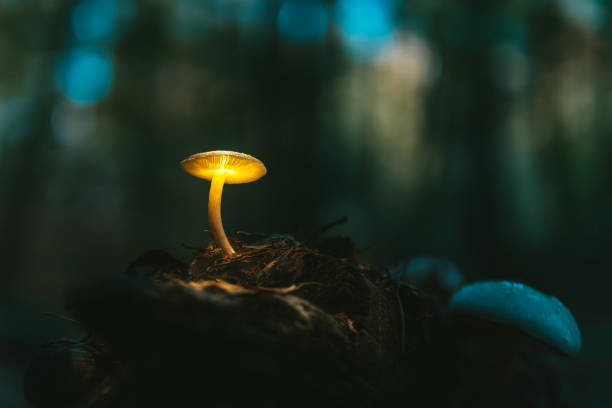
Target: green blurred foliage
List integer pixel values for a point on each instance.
(481, 135)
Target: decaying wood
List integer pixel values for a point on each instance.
(279, 325)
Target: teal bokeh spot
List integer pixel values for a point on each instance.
(94, 20)
(302, 21)
(85, 76)
(366, 26)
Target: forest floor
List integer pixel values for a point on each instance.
(283, 324)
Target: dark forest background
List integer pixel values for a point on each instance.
(477, 131)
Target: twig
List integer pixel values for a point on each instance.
(196, 247)
(250, 234)
(402, 319)
(364, 249)
(326, 227)
(63, 317)
(288, 289)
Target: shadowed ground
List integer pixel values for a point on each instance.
(282, 324)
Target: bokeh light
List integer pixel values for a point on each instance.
(72, 124)
(85, 75)
(14, 124)
(509, 67)
(247, 13)
(94, 20)
(302, 21)
(411, 61)
(588, 14)
(11, 4)
(190, 19)
(366, 26)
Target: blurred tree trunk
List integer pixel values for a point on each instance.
(464, 119)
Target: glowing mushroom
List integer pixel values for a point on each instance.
(220, 167)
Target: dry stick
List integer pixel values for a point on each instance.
(236, 259)
(237, 288)
(248, 234)
(320, 231)
(402, 318)
(102, 393)
(270, 265)
(288, 289)
(63, 317)
(243, 257)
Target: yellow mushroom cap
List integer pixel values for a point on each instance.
(238, 167)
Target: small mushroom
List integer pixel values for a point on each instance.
(220, 167)
(429, 273)
(521, 307)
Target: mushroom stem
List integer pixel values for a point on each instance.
(214, 213)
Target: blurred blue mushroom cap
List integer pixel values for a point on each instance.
(522, 307)
(423, 268)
